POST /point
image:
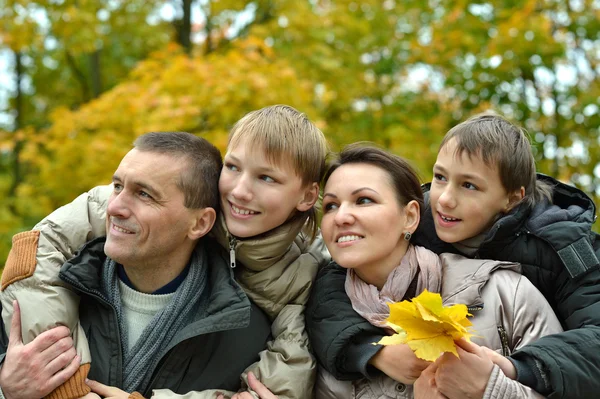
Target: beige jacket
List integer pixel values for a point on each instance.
(512, 313)
(276, 271)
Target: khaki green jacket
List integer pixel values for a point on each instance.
(276, 271)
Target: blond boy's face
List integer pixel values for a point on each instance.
(256, 195)
(466, 195)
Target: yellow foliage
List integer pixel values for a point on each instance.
(426, 326)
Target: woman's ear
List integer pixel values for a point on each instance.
(203, 221)
(514, 198)
(412, 213)
(311, 195)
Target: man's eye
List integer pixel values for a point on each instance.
(117, 187)
(144, 194)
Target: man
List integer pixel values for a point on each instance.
(158, 303)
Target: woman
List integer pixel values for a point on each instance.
(372, 205)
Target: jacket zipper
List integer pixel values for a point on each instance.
(232, 244)
(504, 341)
(475, 308)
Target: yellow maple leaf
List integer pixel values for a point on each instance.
(427, 326)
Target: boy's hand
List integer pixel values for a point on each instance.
(261, 390)
(36, 369)
(106, 391)
(400, 363)
(465, 376)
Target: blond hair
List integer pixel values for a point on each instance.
(502, 144)
(285, 135)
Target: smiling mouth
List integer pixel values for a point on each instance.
(121, 230)
(448, 219)
(240, 211)
(349, 238)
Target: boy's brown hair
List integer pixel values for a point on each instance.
(499, 142)
(285, 135)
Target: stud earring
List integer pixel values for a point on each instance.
(407, 236)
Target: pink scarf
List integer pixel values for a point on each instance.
(372, 304)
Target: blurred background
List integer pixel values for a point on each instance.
(80, 79)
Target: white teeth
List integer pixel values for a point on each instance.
(121, 230)
(242, 211)
(348, 238)
(446, 219)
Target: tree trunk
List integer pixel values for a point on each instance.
(16, 164)
(95, 73)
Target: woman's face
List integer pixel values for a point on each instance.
(363, 223)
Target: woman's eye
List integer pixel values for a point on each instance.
(329, 207)
(364, 200)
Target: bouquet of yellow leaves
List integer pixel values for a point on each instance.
(426, 326)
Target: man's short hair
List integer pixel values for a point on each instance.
(199, 181)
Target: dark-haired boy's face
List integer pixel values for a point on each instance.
(466, 195)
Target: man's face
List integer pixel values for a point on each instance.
(466, 195)
(147, 223)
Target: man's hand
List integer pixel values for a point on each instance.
(425, 387)
(400, 363)
(465, 376)
(261, 390)
(105, 391)
(36, 369)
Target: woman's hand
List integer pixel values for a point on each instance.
(400, 363)
(465, 376)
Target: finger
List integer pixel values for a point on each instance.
(15, 325)
(220, 396)
(259, 387)
(63, 345)
(467, 345)
(63, 375)
(61, 361)
(100, 389)
(49, 338)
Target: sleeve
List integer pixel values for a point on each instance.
(31, 277)
(567, 364)
(287, 366)
(341, 339)
(500, 386)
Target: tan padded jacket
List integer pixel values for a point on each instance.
(276, 271)
(514, 313)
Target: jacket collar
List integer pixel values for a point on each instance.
(464, 278)
(260, 252)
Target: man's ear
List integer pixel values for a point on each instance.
(412, 212)
(311, 195)
(514, 198)
(203, 221)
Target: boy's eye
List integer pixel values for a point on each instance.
(266, 178)
(231, 167)
(439, 177)
(364, 201)
(469, 186)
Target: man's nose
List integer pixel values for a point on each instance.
(119, 205)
